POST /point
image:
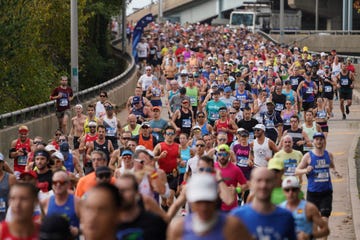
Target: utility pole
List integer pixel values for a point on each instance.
(316, 15)
(160, 17)
(281, 21)
(344, 15)
(123, 24)
(350, 15)
(74, 45)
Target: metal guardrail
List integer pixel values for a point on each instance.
(355, 59)
(26, 114)
(317, 32)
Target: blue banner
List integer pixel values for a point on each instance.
(138, 31)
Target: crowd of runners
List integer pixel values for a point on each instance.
(221, 129)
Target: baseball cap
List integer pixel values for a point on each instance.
(109, 107)
(147, 68)
(227, 89)
(64, 149)
(29, 173)
(196, 127)
(145, 124)
(23, 128)
(50, 148)
(136, 99)
(318, 134)
(156, 108)
(290, 182)
(269, 102)
(79, 106)
(259, 126)
(182, 90)
(92, 124)
(2, 157)
(275, 163)
(126, 152)
(217, 92)
(214, 85)
(58, 155)
(223, 147)
(201, 187)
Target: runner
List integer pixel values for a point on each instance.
(77, 126)
(345, 84)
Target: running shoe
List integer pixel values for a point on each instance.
(347, 110)
(344, 117)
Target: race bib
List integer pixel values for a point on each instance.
(110, 131)
(186, 123)
(22, 160)
(309, 90)
(63, 102)
(2, 205)
(269, 123)
(294, 81)
(193, 100)
(242, 161)
(289, 167)
(279, 107)
(321, 175)
(328, 89)
(214, 116)
(344, 82)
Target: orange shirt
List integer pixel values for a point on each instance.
(86, 183)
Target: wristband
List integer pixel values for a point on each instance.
(183, 182)
(154, 175)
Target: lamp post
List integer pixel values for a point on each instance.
(74, 46)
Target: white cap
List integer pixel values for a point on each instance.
(201, 187)
(79, 106)
(259, 126)
(140, 147)
(290, 182)
(322, 54)
(50, 148)
(148, 67)
(58, 155)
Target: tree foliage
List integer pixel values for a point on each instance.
(35, 47)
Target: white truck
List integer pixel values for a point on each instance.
(261, 17)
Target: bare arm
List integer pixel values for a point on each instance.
(304, 167)
(235, 228)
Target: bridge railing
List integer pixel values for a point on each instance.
(355, 59)
(317, 32)
(26, 114)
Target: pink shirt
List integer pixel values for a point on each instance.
(232, 176)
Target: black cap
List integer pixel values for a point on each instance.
(182, 90)
(102, 170)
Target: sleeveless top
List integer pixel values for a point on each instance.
(145, 187)
(156, 91)
(86, 124)
(219, 124)
(335, 68)
(216, 232)
(345, 81)
(242, 155)
(103, 147)
(138, 112)
(307, 91)
(286, 119)
(319, 178)
(204, 129)
(4, 192)
(148, 144)
(169, 163)
(6, 234)
(172, 93)
(89, 138)
(299, 214)
(185, 156)
(110, 126)
(193, 95)
(310, 132)
(261, 152)
(328, 87)
(184, 122)
(67, 209)
(69, 163)
(242, 96)
(289, 95)
(20, 161)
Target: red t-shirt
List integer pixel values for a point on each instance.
(20, 161)
(62, 103)
(169, 163)
(232, 176)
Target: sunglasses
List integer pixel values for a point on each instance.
(58, 134)
(232, 112)
(221, 139)
(125, 138)
(257, 130)
(291, 189)
(139, 161)
(206, 169)
(200, 145)
(37, 142)
(222, 154)
(201, 116)
(170, 134)
(92, 127)
(62, 183)
(102, 96)
(244, 135)
(126, 157)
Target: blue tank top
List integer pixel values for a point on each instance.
(299, 214)
(215, 234)
(69, 163)
(185, 155)
(289, 96)
(171, 94)
(67, 210)
(319, 178)
(204, 130)
(242, 96)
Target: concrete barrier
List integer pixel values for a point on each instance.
(45, 126)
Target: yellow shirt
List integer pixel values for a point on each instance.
(288, 160)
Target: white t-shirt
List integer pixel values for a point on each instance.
(100, 110)
(145, 81)
(142, 49)
(192, 164)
